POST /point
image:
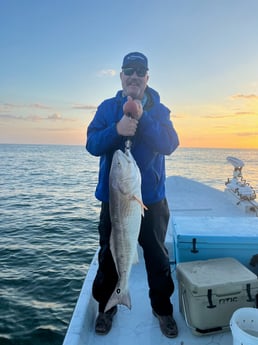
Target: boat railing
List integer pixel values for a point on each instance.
(239, 187)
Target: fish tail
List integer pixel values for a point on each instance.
(119, 297)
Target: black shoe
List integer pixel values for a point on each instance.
(167, 325)
(104, 321)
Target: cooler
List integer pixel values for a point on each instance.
(211, 290)
(201, 238)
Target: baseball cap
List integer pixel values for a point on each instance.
(135, 59)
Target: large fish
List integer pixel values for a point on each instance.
(126, 209)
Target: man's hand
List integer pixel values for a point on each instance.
(133, 107)
(127, 126)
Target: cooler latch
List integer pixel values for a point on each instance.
(194, 249)
(248, 291)
(209, 295)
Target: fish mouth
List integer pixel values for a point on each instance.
(127, 157)
(127, 153)
(120, 156)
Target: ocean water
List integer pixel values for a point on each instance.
(48, 229)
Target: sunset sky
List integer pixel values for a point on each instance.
(61, 58)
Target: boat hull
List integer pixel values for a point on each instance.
(186, 198)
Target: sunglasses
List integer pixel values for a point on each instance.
(141, 72)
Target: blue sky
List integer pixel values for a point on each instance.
(60, 58)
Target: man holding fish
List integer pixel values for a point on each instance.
(132, 132)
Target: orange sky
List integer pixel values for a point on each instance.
(232, 123)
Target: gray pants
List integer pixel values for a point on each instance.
(151, 239)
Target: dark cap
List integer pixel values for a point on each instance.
(135, 59)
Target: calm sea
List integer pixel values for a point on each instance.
(48, 229)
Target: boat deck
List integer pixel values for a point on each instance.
(138, 326)
(191, 198)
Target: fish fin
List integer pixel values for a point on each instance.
(118, 297)
(136, 258)
(141, 203)
(112, 249)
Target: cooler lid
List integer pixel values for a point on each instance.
(222, 275)
(216, 229)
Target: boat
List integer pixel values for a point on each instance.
(188, 200)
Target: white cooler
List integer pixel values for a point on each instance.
(211, 290)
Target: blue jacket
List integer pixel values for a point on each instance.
(155, 137)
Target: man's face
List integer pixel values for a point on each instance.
(134, 81)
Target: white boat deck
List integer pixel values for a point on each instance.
(190, 198)
(138, 326)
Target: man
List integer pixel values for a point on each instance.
(153, 136)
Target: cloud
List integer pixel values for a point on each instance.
(59, 129)
(220, 127)
(106, 73)
(35, 118)
(178, 116)
(247, 134)
(216, 116)
(19, 106)
(55, 117)
(9, 117)
(84, 107)
(245, 113)
(39, 106)
(224, 116)
(242, 96)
